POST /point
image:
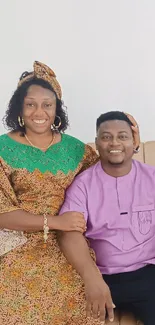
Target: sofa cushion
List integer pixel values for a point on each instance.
(149, 153)
(124, 319)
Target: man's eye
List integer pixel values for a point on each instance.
(123, 137)
(106, 137)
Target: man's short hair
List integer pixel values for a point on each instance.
(110, 116)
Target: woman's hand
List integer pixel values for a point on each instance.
(69, 221)
(135, 129)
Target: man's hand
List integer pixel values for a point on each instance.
(99, 300)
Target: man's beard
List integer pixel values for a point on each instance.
(115, 163)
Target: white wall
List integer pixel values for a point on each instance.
(103, 52)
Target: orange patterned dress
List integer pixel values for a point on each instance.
(37, 285)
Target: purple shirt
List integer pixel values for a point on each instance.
(120, 215)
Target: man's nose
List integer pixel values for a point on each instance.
(114, 141)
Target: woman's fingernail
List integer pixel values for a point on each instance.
(111, 320)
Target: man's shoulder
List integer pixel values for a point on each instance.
(88, 173)
(144, 168)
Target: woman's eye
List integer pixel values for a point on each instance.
(48, 105)
(30, 104)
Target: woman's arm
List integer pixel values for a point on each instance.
(24, 221)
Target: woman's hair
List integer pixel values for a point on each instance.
(15, 106)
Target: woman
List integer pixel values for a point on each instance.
(38, 162)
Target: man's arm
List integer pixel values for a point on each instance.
(76, 251)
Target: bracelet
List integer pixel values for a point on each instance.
(45, 228)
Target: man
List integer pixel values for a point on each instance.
(117, 198)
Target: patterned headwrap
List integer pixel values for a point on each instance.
(42, 71)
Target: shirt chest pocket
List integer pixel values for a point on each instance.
(143, 222)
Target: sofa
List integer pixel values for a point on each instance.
(146, 155)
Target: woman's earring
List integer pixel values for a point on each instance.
(21, 121)
(56, 127)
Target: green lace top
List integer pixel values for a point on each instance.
(35, 180)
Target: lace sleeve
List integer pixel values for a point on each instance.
(90, 157)
(8, 200)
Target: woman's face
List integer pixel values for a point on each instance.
(39, 109)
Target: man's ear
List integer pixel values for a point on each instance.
(96, 145)
(135, 149)
(136, 137)
(134, 145)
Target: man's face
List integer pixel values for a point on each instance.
(114, 142)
